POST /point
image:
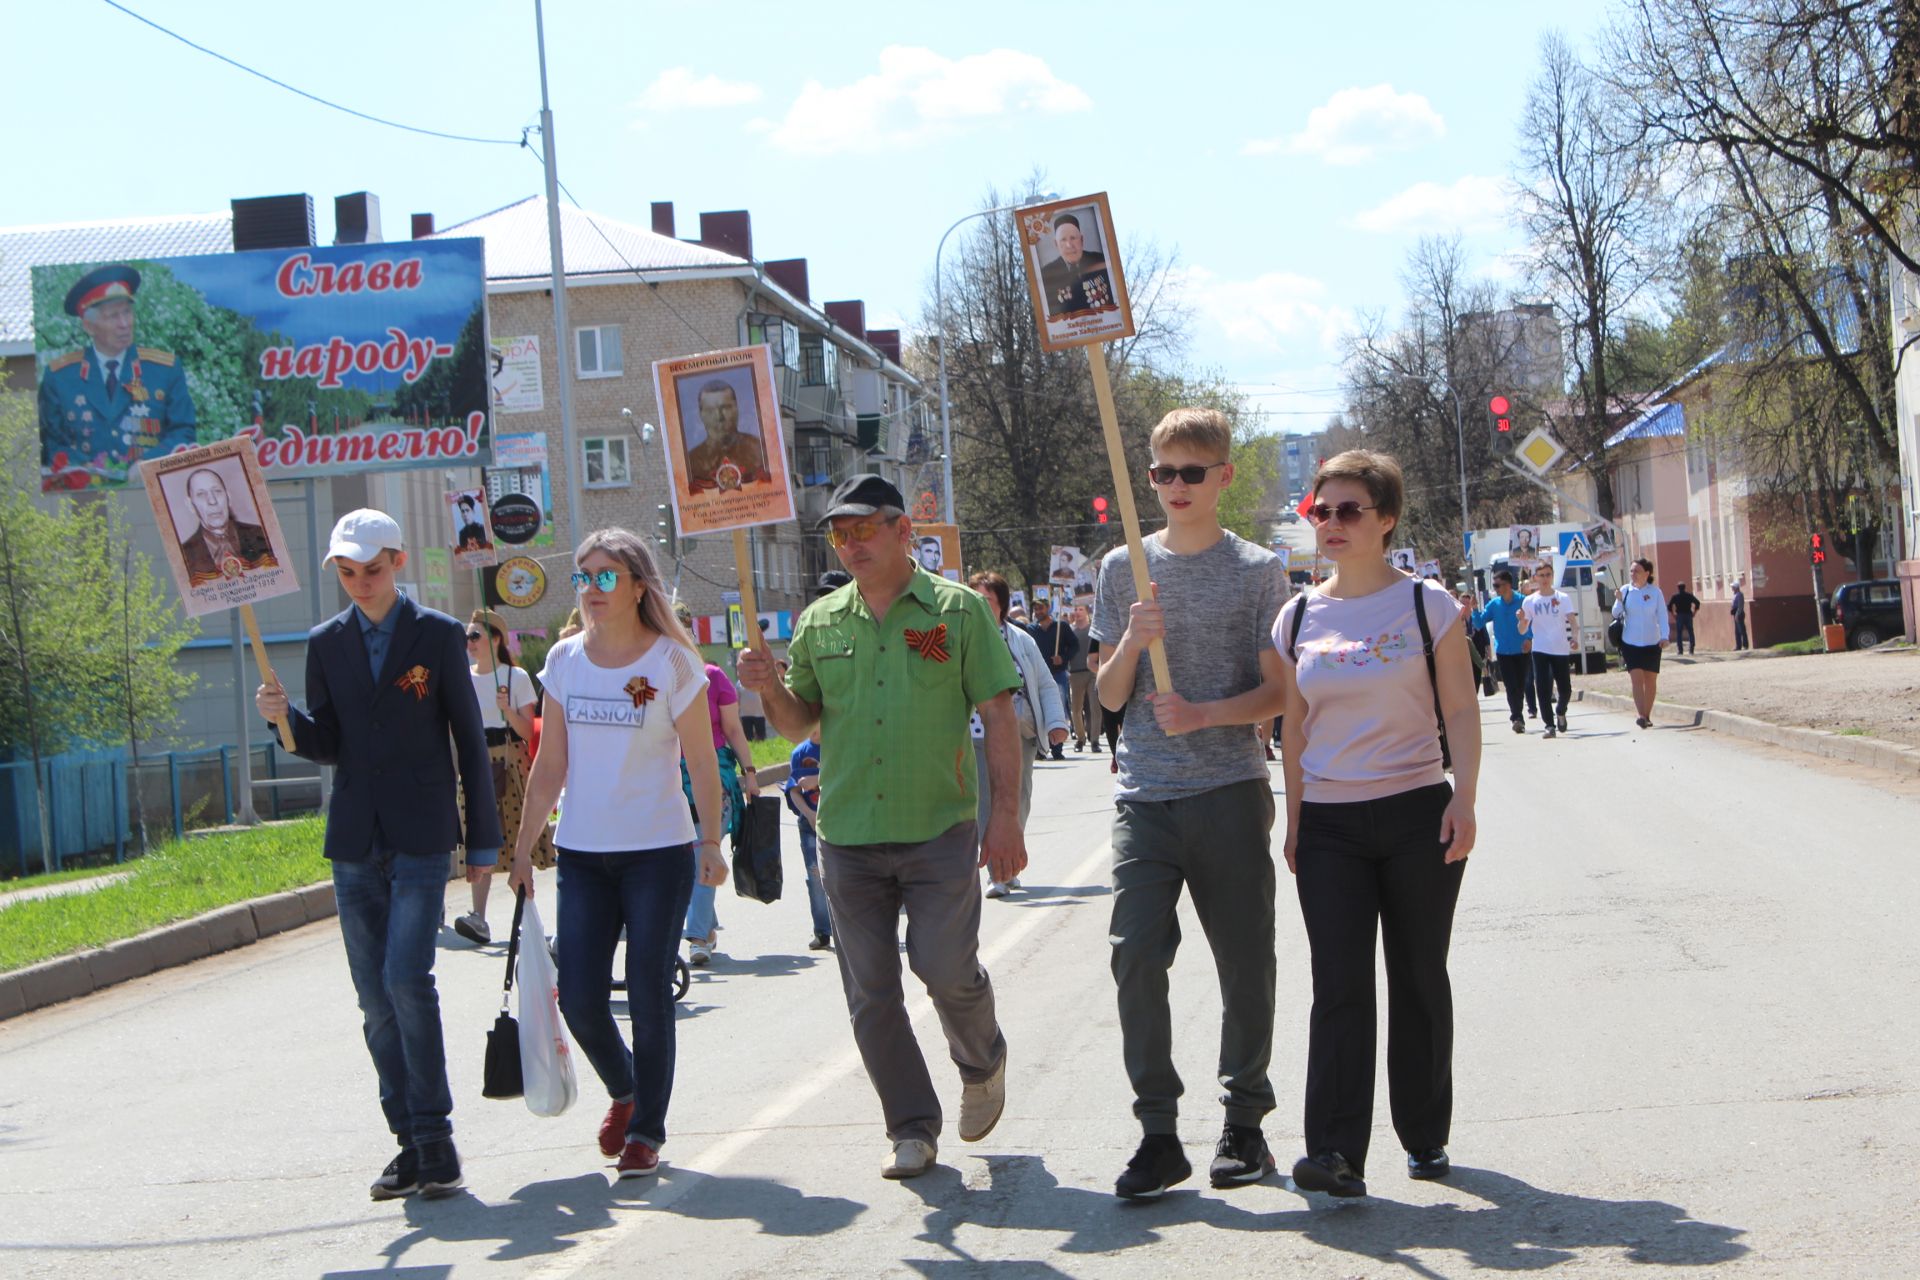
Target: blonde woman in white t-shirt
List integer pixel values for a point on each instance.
(1376, 839)
(624, 700)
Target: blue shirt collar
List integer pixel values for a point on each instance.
(383, 627)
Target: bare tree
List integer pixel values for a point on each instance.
(1592, 207)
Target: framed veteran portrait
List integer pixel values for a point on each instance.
(1072, 258)
(726, 455)
(217, 527)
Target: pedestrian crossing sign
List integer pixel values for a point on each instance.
(1575, 550)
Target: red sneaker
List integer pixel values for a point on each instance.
(613, 1129)
(638, 1160)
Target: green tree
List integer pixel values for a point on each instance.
(87, 634)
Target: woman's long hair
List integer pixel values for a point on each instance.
(628, 548)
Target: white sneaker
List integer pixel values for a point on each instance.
(981, 1104)
(911, 1157)
(698, 954)
(1014, 883)
(996, 890)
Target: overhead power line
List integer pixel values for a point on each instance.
(311, 97)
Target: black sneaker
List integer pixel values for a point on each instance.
(1058, 754)
(400, 1178)
(1561, 722)
(820, 942)
(439, 1169)
(1549, 731)
(1241, 1157)
(1096, 748)
(1519, 725)
(1328, 1172)
(1159, 1163)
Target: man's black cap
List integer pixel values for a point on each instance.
(862, 495)
(832, 580)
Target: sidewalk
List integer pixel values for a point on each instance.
(1873, 695)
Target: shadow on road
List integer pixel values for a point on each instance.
(1499, 1222)
(780, 1210)
(1054, 895)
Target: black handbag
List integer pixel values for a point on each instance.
(756, 850)
(501, 1076)
(1617, 629)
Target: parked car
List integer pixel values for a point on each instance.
(1870, 611)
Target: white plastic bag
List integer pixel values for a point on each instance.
(546, 1059)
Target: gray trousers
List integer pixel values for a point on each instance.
(935, 881)
(1217, 845)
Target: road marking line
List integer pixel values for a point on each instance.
(716, 1157)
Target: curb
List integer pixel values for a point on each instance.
(85, 972)
(1875, 753)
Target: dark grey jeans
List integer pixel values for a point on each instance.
(1217, 844)
(938, 883)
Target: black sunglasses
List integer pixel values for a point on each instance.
(1345, 512)
(475, 634)
(1192, 475)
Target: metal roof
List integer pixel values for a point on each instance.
(516, 239)
(1662, 420)
(23, 248)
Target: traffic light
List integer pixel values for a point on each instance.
(666, 529)
(1500, 423)
(1099, 510)
(1819, 549)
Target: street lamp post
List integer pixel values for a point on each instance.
(940, 309)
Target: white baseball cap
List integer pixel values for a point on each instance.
(361, 535)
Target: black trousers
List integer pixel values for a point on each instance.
(1553, 672)
(1516, 673)
(1366, 865)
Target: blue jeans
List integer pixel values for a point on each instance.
(390, 906)
(703, 914)
(816, 891)
(646, 893)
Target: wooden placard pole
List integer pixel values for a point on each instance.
(749, 603)
(1123, 493)
(266, 668)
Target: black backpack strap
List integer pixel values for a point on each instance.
(1433, 672)
(1293, 635)
(513, 947)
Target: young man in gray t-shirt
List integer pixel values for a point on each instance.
(1195, 803)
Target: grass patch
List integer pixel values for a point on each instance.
(59, 877)
(174, 882)
(771, 751)
(1814, 645)
(1851, 733)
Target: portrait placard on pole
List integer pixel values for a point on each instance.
(726, 452)
(472, 535)
(1079, 292)
(937, 548)
(221, 537)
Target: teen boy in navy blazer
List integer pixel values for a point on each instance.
(386, 685)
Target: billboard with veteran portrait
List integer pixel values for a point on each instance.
(726, 451)
(334, 360)
(1073, 271)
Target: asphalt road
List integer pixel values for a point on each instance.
(1686, 980)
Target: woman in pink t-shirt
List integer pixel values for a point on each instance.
(1376, 838)
(737, 773)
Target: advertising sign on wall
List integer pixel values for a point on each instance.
(333, 360)
(516, 375)
(518, 477)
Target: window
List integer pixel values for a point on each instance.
(782, 338)
(597, 351)
(606, 461)
(819, 362)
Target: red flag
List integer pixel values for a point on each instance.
(1306, 504)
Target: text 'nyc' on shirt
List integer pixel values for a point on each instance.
(1550, 617)
(1370, 726)
(623, 754)
(1220, 604)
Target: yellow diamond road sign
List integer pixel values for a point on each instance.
(1540, 450)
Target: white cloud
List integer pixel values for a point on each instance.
(1471, 204)
(1355, 126)
(679, 89)
(918, 95)
(1276, 311)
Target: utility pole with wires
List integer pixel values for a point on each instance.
(555, 250)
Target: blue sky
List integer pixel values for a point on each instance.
(1289, 155)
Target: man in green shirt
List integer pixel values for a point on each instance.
(889, 668)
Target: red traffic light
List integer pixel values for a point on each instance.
(1099, 504)
(1819, 550)
(1499, 407)
(1099, 510)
